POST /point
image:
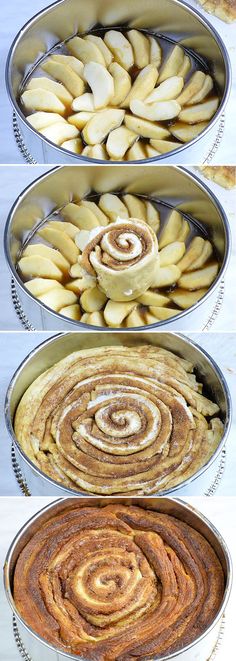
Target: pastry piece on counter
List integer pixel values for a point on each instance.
(224, 175)
(223, 9)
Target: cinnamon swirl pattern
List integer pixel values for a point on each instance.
(118, 420)
(120, 255)
(118, 583)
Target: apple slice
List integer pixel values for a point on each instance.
(194, 251)
(120, 47)
(37, 265)
(184, 231)
(186, 133)
(92, 300)
(163, 313)
(65, 75)
(185, 299)
(153, 298)
(85, 50)
(113, 206)
(160, 111)
(115, 313)
(75, 145)
(95, 318)
(203, 92)
(122, 83)
(57, 88)
(84, 102)
(171, 229)
(143, 85)
(101, 83)
(166, 276)
(141, 48)
(167, 90)
(194, 85)
(80, 284)
(99, 152)
(80, 119)
(101, 124)
(54, 255)
(173, 64)
(72, 311)
(172, 253)
(71, 61)
(41, 99)
(203, 258)
(134, 319)
(39, 120)
(200, 278)
(119, 142)
(63, 226)
(58, 298)
(81, 216)
(145, 128)
(136, 207)
(155, 52)
(62, 241)
(101, 217)
(152, 216)
(39, 286)
(59, 132)
(136, 152)
(185, 68)
(199, 113)
(164, 146)
(151, 152)
(106, 53)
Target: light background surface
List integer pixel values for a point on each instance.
(12, 182)
(15, 512)
(222, 348)
(18, 12)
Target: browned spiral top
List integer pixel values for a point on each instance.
(118, 583)
(118, 420)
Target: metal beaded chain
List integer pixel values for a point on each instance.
(24, 654)
(29, 159)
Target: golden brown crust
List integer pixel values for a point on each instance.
(223, 175)
(118, 583)
(118, 420)
(223, 9)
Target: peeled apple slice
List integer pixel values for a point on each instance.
(39, 120)
(155, 52)
(167, 90)
(106, 53)
(194, 85)
(135, 206)
(122, 83)
(200, 278)
(159, 111)
(199, 113)
(57, 88)
(84, 102)
(54, 255)
(204, 91)
(72, 311)
(80, 119)
(164, 146)
(134, 319)
(136, 152)
(101, 124)
(65, 75)
(113, 207)
(58, 298)
(186, 133)
(92, 300)
(163, 313)
(71, 61)
(144, 128)
(143, 85)
(102, 218)
(152, 298)
(172, 253)
(37, 265)
(41, 99)
(39, 286)
(173, 64)
(67, 227)
(141, 48)
(62, 241)
(75, 145)
(166, 276)
(119, 142)
(171, 229)
(120, 47)
(185, 299)
(81, 216)
(86, 51)
(101, 83)
(185, 68)
(59, 132)
(194, 251)
(115, 313)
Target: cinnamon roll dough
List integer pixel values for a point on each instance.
(118, 583)
(118, 420)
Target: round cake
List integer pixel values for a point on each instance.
(118, 420)
(118, 583)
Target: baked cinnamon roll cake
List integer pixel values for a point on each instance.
(118, 583)
(118, 420)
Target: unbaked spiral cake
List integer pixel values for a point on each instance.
(118, 583)
(118, 420)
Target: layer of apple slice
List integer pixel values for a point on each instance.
(86, 51)
(62, 241)
(65, 75)
(55, 256)
(100, 43)
(56, 88)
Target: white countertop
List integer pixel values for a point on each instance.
(14, 16)
(14, 179)
(221, 346)
(15, 512)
